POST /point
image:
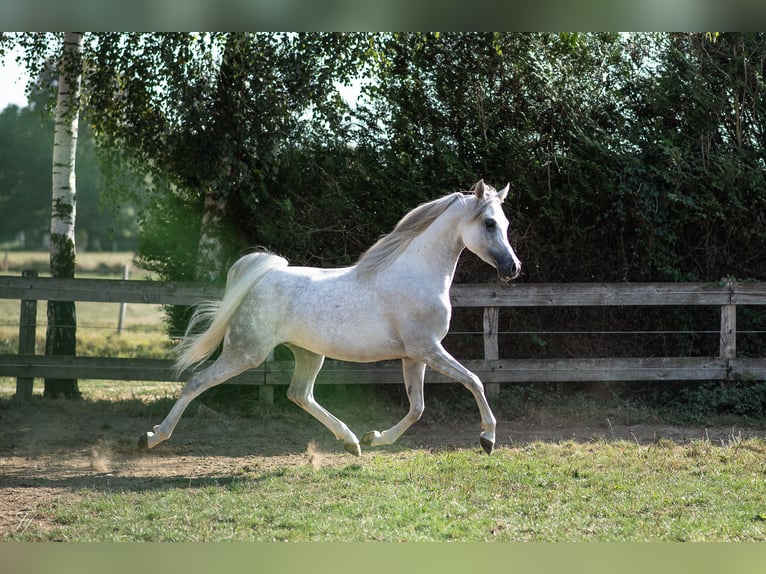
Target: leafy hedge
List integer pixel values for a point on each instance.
(631, 157)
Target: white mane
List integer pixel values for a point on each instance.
(390, 246)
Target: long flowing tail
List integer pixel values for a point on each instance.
(242, 277)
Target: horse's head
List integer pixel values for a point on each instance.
(485, 230)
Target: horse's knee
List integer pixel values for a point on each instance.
(293, 396)
(474, 385)
(298, 396)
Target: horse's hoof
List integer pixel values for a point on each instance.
(143, 442)
(353, 448)
(487, 445)
(369, 437)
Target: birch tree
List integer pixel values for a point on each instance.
(61, 336)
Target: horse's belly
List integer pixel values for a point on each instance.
(351, 342)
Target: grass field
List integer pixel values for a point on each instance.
(541, 492)
(70, 472)
(600, 491)
(88, 264)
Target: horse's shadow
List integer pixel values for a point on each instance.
(77, 475)
(101, 454)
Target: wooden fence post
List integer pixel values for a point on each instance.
(491, 352)
(728, 349)
(27, 336)
(266, 392)
(123, 305)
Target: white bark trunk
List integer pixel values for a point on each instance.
(61, 336)
(65, 141)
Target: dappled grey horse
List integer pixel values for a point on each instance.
(393, 304)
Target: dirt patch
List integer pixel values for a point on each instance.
(50, 453)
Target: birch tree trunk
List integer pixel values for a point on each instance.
(61, 336)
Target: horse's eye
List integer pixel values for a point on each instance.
(490, 224)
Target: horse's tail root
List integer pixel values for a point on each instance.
(242, 277)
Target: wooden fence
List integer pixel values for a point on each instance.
(493, 369)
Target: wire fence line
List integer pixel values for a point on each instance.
(491, 298)
(161, 329)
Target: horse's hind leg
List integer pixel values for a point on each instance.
(301, 392)
(414, 372)
(221, 370)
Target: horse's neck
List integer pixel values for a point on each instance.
(433, 255)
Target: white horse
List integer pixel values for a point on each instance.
(393, 304)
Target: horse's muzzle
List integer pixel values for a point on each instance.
(508, 269)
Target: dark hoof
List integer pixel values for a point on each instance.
(353, 448)
(487, 445)
(367, 439)
(143, 442)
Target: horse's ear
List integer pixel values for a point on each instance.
(479, 188)
(503, 193)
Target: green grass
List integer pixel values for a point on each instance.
(542, 492)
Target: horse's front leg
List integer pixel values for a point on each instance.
(440, 360)
(414, 372)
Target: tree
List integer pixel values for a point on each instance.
(211, 116)
(26, 182)
(61, 336)
(533, 109)
(25, 176)
(694, 186)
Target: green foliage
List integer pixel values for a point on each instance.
(742, 400)
(646, 143)
(699, 159)
(214, 116)
(524, 108)
(25, 175)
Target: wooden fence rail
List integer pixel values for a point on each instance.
(493, 370)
